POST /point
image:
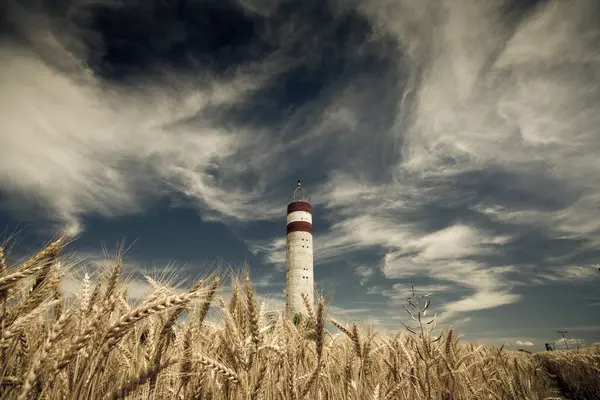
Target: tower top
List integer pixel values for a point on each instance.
(299, 194)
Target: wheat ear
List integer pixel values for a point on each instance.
(32, 375)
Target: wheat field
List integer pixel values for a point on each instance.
(193, 345)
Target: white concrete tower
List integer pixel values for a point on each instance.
(299, 253)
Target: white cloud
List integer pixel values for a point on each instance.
(343, 190)
(375, 290)
(137, 289)
(400, 292)
(521, 343)
(453, 242)
(503, 214)
(364, 272)
(133, 273)
(80, 145)
(494, 98)
(489, 285)
(573, 273)
(360, 231)
(274, 251)
(481, 93)
(570, 341)
(267, 282)
(489, 99)
(481, 300)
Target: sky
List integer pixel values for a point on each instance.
(453, 145)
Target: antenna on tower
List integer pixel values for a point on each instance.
(298, 188)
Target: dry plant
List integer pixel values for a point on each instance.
(575, 372)
(193, 345)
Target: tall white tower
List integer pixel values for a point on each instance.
(299, 253)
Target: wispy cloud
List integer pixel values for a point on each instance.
(569, 341)
(521, 343)
(456, 140)
(83, 145)
(495, 126)
(137, 289)
(89, 149)
(572, 273)
(364, 272)
(400, 292)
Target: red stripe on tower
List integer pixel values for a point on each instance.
(299, 226)
(299, 206)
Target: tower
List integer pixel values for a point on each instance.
(299, 253)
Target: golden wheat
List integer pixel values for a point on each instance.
(96, 344)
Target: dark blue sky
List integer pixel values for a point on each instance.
(453, 145)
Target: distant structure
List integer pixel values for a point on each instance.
(564, 338)
(299, 253)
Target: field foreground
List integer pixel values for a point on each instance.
(98, 345)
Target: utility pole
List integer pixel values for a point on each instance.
(564, 338)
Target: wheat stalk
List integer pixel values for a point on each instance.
(169, 346)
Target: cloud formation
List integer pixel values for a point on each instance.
(364, 272)
(76, 142)
(521, 343)
(569, 342)
(456, 142)
(498, 151)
